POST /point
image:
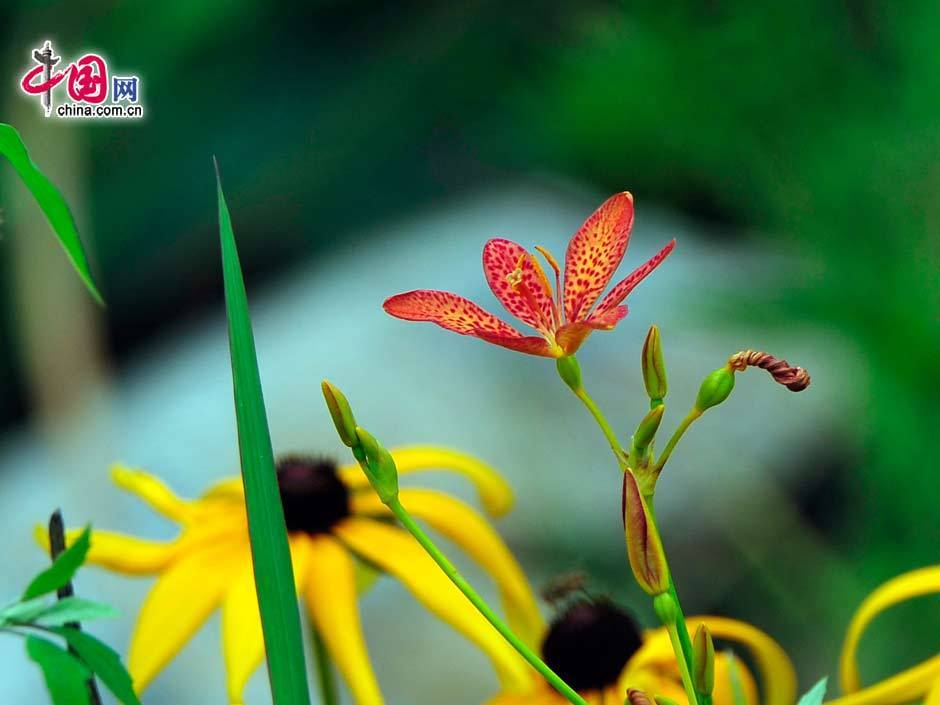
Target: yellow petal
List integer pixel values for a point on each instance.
(902, 588)
(122, 554)
(242, 636)
(933, 696)
(473, 534)
(151, 490)
(777, 676)
(331, 601)
(905, 687)
(230, 487)
(660, 676)
(399, 554)
(495, 493)
(178, 604)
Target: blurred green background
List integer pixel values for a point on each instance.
(806, 130)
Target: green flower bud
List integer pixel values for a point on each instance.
(666, 608)
(654, 369)
(715, 389)
(379, 466)
(703, 661)
(663, 700)
(341, 412)
(570, 371)
(646, 431)
(637, 697)
(644, 547)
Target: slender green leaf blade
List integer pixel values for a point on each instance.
(73, 609)
(269, 547)
(816, 694)
(101, 660)
(51, 202)
(737, 688)
(62, 569)
(66, 677)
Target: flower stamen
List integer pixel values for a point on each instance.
(553, 263)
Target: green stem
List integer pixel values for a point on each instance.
(670, 446)
(685, 641)
(325, 677)
(457, 579)
(684, 671)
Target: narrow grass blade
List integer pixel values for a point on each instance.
(269, 548)
(51, 201)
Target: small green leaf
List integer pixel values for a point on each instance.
(51, 202)
(103, 661)
(62, 570)
(66, 677)
(73, 609)
(737, 689)
(815, 695)
(274, 578)
(24, 611)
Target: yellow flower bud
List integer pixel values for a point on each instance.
(644, 547)
(341, 412)
(654, 369)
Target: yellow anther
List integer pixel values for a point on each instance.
(548, 258)
(515, 277)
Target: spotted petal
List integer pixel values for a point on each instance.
(571, 335)
(500, 259)
(619, 292)
(594, 254)
(530, 344)
(448, 311)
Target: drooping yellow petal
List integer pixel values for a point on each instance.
(122, 554)
(933, 696)
(242, 636)
(904, 587)
(330, 595)
(495, 493)
(400, 555)
(473, 534)
(151, 490)
(905, 687)
(777, 676)
(229, 487)
(178, 604)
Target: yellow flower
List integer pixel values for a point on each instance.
(597, 649)
(333, 518)
(920, 682)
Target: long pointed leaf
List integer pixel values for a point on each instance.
(66, 677)
(51, 201)
(101, 660)
(62, 569)
(269, 547)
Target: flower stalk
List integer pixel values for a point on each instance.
(379, 467)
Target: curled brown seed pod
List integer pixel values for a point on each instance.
(796, 379)
(638, 697)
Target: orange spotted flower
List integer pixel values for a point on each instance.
(564, 317)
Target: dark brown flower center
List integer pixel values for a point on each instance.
(589, 644)
(313, 496)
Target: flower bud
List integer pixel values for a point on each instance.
(715, 389)
(646, 431)
(341, 412)
(569, 369)
(703, 661)
(644, 547)
(637, 697)
(654, 369)
(379, 466)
